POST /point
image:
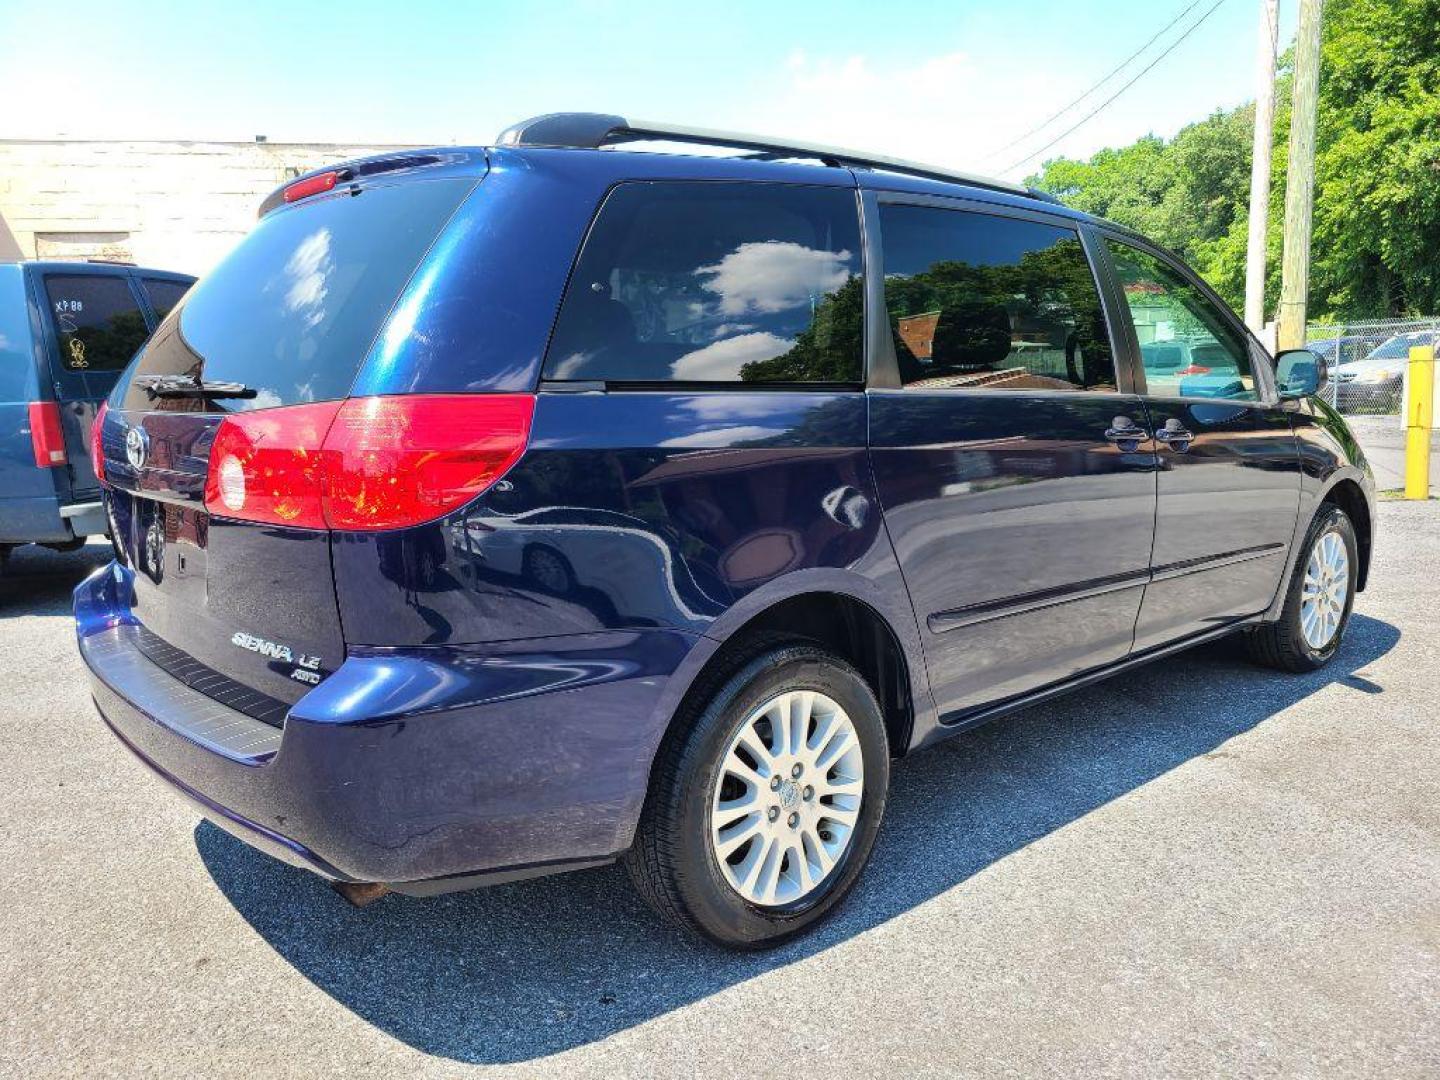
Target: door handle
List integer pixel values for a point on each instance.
(1126, 434)
(1175, 435)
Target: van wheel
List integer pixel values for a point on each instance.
(1317, 605)
(762, 813)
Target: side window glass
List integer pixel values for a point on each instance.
(97, 321)
(164, 295)
(716, 282)
(17, 359)
(978, 300)
(1187, 346)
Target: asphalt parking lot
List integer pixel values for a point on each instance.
(1383, 439)
(1199, 868)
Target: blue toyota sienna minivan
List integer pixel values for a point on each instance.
(495, 512)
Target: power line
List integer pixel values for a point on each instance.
(1110, 100)
(1115, 71)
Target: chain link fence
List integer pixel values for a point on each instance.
(1368, 362)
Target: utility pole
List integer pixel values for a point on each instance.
(1300, 184)
(1260, 164)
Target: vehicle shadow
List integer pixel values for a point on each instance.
(525, 970)
(38, 581)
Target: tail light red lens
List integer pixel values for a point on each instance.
(46, 437)
(266, 465)
(97, 441)
(366, 463)
(397, 461)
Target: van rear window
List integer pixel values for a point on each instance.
(293, 310)
(97, 321)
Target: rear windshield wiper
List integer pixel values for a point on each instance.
(183, 386)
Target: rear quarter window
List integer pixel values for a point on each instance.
(705, 282)
(164, 295)
(97, 320)
(293, 310)
(17, 353)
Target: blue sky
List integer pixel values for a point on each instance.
(947, 83)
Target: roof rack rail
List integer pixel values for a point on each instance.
(594, 130)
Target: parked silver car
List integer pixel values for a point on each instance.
(1374, 384)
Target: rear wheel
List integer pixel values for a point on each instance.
(1318, 601)
(762, 813)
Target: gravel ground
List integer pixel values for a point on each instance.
(1199, 868)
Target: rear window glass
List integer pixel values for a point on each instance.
(715, 282)
(98, 323)
(293, 310)
(164, 295)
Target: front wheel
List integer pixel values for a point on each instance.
(1318, 602)
(763, 811)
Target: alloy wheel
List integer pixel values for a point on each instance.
(786, 801)
(1326, 589)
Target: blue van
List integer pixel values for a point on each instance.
(66, 332)
(495, 512)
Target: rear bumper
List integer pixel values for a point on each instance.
(86, 518)
(407, 767)
(42, 519)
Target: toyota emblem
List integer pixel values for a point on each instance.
(137, 445)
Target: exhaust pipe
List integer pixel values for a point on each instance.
(360, 893)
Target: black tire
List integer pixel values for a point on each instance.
(1281, 644)
(672, 862)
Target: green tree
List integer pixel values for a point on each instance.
(1377, 206)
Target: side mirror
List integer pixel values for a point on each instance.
(1299, 373)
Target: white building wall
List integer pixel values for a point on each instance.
(172, 205)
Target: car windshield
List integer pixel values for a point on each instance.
(1398, 347)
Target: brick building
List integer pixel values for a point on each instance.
(173, 205)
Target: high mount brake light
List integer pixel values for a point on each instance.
(365, 464)
(311, 185)
(46, 437)
(97, 441)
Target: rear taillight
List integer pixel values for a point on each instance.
(46, 437)
(396, 461)
(366, 463)
(97, 441)
(265, 465)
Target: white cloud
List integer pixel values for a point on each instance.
(724, 359)
(308, 268)
(774, 275)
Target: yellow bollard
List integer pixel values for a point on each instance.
(1419, 418)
